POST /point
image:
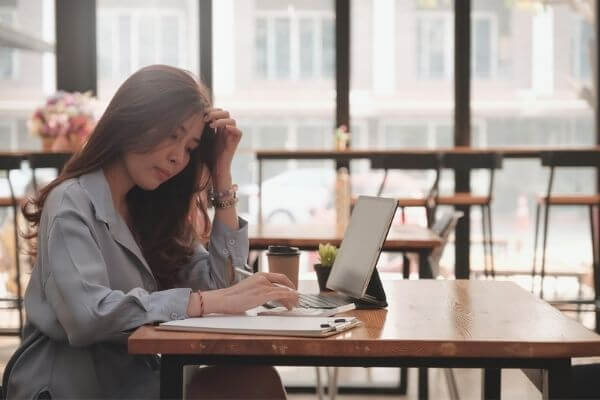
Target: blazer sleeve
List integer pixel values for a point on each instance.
(207, 267)
(77, 288)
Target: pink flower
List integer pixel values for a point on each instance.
(64, 114)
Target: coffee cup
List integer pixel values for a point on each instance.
(284, 260)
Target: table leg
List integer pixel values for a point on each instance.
(462, 233)
(425, 271)
(171, 377)
(423, 384)
(557, 380)
(490, 388)
(403, 383)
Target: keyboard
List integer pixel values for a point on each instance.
(318, 301)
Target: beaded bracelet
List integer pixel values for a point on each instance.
(225, 203)
(224, 194)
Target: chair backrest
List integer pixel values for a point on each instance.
(48, 160)
(443, 227)
(467, 161)
(471, 160)
(10, 161)
(407, 160)
(568, 158)
(571, 158)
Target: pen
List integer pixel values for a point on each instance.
(248, 274)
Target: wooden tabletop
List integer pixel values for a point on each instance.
(308, 237)
(426, 318)
(508, 152)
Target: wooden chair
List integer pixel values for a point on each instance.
(470, 161)
(412, 161)
(565, 159)
(9, 163)
(47, 160)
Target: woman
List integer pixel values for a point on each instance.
(118, 242)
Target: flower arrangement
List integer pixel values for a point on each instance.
(65, 115)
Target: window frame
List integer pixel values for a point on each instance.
(430, 16)
(294, 17)
(12, 11)
(113, 14)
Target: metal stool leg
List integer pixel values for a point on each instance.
(332, 379)
(320, 388)
(451, 382)
(535, 244)
(490, 239)
(544, 246)
(18, 267)
(595, 233)
(405, 266)
(595, 255)
(484, 241)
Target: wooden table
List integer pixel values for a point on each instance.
(401, 238)
(430, 323)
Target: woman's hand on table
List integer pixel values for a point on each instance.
(249, 293)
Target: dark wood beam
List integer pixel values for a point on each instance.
(76, 65)
(206, 38)
(462, 127)
(342, 67)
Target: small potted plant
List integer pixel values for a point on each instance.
(327, 253)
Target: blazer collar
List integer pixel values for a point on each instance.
(96, 186)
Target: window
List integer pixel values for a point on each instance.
(132, 37)
(26, 77)
(129, 40)
(581, 41)
(483, 56)
(529, 99)
(294, 44)
(8, 57)
(434, 46)
(273, 70)
(401, 85)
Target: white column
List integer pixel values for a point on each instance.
(223, 47)
(542, 54)
(384, 46)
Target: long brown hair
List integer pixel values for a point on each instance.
(146, 109)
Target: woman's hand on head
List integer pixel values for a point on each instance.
(227, 139)
(251, 292)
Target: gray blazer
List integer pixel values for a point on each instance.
(91, 287)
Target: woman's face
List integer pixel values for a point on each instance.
(150, 169)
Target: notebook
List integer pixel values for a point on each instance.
(264, 325)
(354, 277)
